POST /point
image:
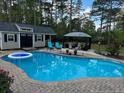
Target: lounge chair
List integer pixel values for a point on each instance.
(57, 45)
(50, 46)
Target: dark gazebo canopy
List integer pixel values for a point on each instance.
(77, 34)
(78, 37)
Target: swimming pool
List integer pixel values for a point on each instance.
(50, 67)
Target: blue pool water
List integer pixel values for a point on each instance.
(50, 67)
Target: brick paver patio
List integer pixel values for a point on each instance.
(23, 84)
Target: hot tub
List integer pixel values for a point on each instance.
(20, 55)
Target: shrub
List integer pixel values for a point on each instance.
(113, 48)
(5, 81)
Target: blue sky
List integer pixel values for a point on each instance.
(87, 5)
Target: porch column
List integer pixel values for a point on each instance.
(44, 40)
(90, 41)
(50, 37)
(19, 40)
(33, 38)
(1, 42)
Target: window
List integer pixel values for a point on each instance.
(10, 37)
(39, 37)
(23, 34)
(26, 29)
(29, 35)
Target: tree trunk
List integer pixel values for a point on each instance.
(34, 12)
(9, 10)
(70, 26)
(110, 21)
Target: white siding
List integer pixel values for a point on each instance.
(0, 40)
(10, 44)
(38, 43)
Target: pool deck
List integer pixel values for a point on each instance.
(23, 84)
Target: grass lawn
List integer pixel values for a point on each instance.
(103, 48)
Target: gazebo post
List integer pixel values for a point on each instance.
(90, 41)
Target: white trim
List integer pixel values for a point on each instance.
(1, 41)
(13, 32)
(30, 29)
(12, 55)
(8, 32)
(19, 40)
(26, 27)
(20, 28)
(25, 32)
(33, 38)
(17, 26)
(44, 36)
(49, 34)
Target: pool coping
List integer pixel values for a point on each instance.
(77, 56)
(44, 84)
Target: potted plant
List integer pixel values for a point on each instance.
(75, 52)
(67, 51)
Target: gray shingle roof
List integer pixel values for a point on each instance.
(36, 29)
(46, 30)
(8, 27)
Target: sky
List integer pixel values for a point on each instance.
(87, 5)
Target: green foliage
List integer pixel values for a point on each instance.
(120, 23)
(76, 24)
(114, 45)
(106, 12)
(5, 81)
(113, 48)
(120, 36)
(60, 29)
(88, 26)
(59, 15)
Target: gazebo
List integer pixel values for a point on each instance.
(77, 39)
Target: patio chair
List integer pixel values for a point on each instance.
(57, 45)
(50, 46)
